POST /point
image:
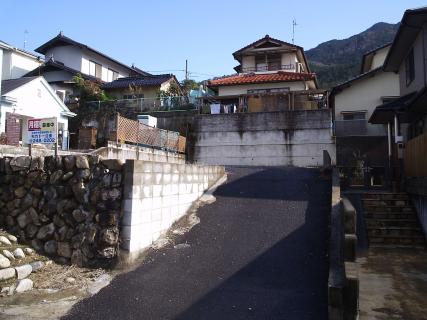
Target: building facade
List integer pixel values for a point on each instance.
(272, 75)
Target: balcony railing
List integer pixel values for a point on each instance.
(346, 128)
(272, 67)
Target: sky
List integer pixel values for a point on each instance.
(158, 36)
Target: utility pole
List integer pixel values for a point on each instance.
(186, 69)
(294, 24)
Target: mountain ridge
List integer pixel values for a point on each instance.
(336, 61)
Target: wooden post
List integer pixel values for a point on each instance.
(30, 149)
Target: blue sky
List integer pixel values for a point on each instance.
(159, 35)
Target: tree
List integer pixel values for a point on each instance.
(89, 90)
(188, 85)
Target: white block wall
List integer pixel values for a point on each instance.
(158, 194)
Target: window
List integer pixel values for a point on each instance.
(354, 116)
(112, 75)
(261, 63)
(95, 69)
(61, 94)
(410, 67)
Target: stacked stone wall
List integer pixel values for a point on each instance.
(67, 207)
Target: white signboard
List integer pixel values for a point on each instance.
(44, 131)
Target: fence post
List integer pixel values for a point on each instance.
(117, 128)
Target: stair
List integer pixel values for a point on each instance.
(391, 219)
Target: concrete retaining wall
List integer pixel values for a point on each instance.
(263, 139)
(126, 151)
(158, 194)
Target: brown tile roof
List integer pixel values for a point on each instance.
(280, 76)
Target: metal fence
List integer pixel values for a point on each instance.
(145, 104)
(132, 131)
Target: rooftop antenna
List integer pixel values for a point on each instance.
(294, 24)
(25, 38)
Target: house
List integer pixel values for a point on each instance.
(66, 58)
(30, 97)
(141, 87)
(361, 146)
(272, 75)
(14, 62)
(406, 117)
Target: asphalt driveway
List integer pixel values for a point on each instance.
(259, 252)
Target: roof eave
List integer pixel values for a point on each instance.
(394, 58)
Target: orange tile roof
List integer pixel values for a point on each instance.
(280, 76)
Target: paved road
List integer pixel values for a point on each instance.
(260, 252)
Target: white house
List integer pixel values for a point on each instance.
(30, 97)
(361, 146)
(355, 100)
(66, 57)
(15, 63)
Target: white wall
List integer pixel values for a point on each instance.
(22, 64)
(88, 55)
(290, 58)
(157, 195)
(70, 56)
(243, 89)
(419, 80)
(16, 64)
(248, 62)
(379, 58)
(295, 138)
(34, 99)
(78, 59)
(365, 94)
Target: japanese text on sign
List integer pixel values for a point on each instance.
(42, 131)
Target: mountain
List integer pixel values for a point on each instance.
(337, 61)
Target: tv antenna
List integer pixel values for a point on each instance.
(25, 38)
(294, 24)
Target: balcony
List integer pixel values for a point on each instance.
(270, 67)
(346, 128)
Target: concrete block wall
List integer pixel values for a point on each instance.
(263, 139)
(158, 194)
(125, 151)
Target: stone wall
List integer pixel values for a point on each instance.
(67, 207)
(295, 138)
(158, 194)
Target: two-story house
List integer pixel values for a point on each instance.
(271, 76)
(406, 117)
(66, 58)
(23, 98)
(362, 147)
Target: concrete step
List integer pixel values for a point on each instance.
(390, 215)
(387, 222)
(386, 196)
(381, 208)
(412, 241)
(394, 231)
(383, 202)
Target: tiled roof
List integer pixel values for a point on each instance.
(143, 81)
(51, 65)
(266, 38)
(12, 84)
(61, 40)
(280, 76)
